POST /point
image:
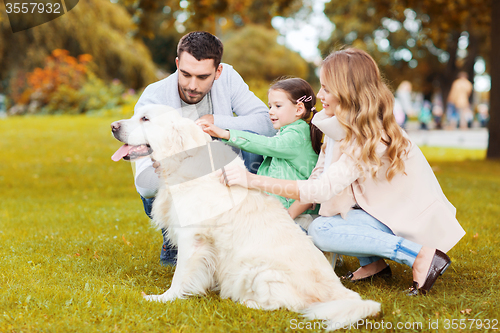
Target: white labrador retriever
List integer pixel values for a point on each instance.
(241, 242)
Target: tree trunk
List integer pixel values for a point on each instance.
(494, 124)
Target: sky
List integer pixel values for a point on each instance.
(303, 33)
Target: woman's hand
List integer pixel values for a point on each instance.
(212, 130)
(237, 175)
(234, 175)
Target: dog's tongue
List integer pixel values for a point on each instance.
(122, 151)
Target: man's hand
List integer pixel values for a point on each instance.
(157, 166)
(212, 130)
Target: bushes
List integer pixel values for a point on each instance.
(67, 85)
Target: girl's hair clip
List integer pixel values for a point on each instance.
(304, 99)
(313, 109)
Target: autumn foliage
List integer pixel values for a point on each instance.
(66, 84)
(60, 69)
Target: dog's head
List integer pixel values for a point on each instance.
(158, 130)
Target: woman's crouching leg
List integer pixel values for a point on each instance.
(362, 236)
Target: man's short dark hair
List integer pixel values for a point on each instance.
(201, 45)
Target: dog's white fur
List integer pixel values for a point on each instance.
(253, 252)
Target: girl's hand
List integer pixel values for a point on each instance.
(298, 208)
(212, 130)
(234, 175)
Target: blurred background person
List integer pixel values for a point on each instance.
(3, 108)
(403, 103)
(437, 109)
(399, 114)
(425, 115)
(483, 115)
(459, 112)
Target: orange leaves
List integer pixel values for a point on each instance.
(65, 84)
(60, 68)
(126, 241)
(85, 58)
(59, 53)
(62, 72)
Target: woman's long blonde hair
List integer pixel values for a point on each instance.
(365, 109)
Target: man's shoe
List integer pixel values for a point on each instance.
(440, 263)
(168, 255)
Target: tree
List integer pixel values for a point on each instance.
(427, 32)
(256, 55)
(408, 38)
(494, 124)
(99, 28)
(254, 52)
(209, 15)
(160, 24)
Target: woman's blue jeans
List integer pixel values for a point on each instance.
(363, 236)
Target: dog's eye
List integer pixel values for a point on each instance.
(145, 118)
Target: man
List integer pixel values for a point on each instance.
(202, 88)
(459, 110)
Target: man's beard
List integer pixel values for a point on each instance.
(192, 100)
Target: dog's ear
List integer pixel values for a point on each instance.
(164, 139)
(173, 137)
(192, 135)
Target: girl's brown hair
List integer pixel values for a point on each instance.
(298, 89)
(365, 108)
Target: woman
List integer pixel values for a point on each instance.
(379, 197)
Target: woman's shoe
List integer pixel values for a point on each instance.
(440, 263)
(385, 273)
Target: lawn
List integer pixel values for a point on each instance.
(76, 248)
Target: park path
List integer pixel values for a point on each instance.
(475, 138)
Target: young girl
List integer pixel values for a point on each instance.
(379, 197)
(293, 152)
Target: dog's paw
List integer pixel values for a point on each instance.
(154, 298)
(168, 296)
(251, 304)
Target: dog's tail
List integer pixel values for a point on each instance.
(342, 313)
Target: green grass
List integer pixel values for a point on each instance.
(76, 248)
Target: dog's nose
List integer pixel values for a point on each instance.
(115, 126)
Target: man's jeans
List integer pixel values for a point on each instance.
(168, 254)
(362, 236)
(252, 161)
